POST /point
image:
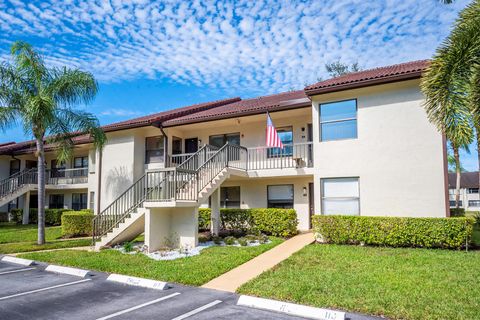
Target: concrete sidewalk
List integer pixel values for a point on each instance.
(233, 279)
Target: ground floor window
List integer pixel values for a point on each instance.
(91, 206)
(340, 196)
(79, 201)
(474, 203)
(56, 201)
(453, 204)
(230, 197)
(280, 196)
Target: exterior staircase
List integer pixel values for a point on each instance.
(188, 184)
(16, 185)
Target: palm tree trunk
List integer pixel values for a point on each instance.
(41, 191)
(478, 152)
(456, 155)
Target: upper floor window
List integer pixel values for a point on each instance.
(472, 190)
(286, 136)
(338, 120)
(80, 162)
(14, 166)
(220, 140)
(154, 147)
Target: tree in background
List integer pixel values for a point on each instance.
(451, 85)
(337, 68)
(42, 99)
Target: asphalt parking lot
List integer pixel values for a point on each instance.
(33, 293)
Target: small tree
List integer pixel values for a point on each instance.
(41, 99)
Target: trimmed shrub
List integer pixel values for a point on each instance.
(17, 215)
(457, 212)
(53, 217)
(204, 219)
(447, 233)
(275, 222)
(77, 223)
(3, 216)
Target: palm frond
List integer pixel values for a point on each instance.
(72, 86)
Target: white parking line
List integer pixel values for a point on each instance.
(195, 311)
(18, 270)
(44, 289)
(139, 306)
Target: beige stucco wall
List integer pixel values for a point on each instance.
(398, 155)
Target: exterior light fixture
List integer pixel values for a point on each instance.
(304, 191)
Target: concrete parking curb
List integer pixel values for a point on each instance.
(67, 270)
(23, 262)
(290, 308)
(139, 282)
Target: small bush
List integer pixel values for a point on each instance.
(3, 216)
(457, 212)
(275, 222)
(204, 219)
(448, 233)
(229, 241)
(217, 240)
(53, 217)
(243, 242)
(17, 215)
(77, 223)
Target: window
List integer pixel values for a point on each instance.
(340, 196)
(91, 205)
(473, 203)
(230, 197)
(58, 169)
(55, 201)
(14, 166)
(220, 140)
(286, 136)
(452, 203)
(80, 162)
(472, 190)
(79, 201)
(338, 120)
(154, 149)
(280, 196)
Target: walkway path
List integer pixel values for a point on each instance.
(233, 279)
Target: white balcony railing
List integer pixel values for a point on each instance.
(67, 176)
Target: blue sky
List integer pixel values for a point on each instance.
(150, 56)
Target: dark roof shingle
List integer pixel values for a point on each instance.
(467, 180)
(396, 72)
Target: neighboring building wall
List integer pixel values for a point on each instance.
(469, 201)
(4, 173)
(398, 155)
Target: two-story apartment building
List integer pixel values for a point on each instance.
(469, 190)
(359, 144)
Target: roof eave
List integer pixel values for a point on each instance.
(364, 83)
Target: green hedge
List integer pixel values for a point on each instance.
(3, 216)
(77, 223)
(276, 222)
(457, 212)
(17, 215)
(53, 217)
(448, 233)
(204, 219)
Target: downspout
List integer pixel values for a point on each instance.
(99, 180)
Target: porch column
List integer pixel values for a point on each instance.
(26, 208)
(215, 215)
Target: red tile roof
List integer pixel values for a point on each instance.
(275, 102)
(397, 72)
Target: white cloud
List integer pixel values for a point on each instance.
(118, 112)
(263, 46)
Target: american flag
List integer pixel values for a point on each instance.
(273, 140)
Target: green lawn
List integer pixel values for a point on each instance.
(21, 233)
(394, 282)
(195, 270)
(476, 235)
(22, 238)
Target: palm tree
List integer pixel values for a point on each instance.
(42, 100)
(449, 85)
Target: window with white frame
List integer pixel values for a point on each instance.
(79, 201)
(154, 147)
(338, 120)
(472, 190)
(474, 203)
(340, 196)
(286, 136)
(280, 196)
(230, 197)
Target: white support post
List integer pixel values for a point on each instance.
(215, 215)
(26, 208)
